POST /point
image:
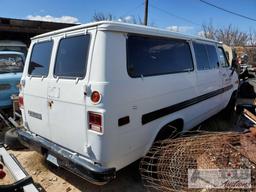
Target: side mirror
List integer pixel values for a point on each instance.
(234, 66)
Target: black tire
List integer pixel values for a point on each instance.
(230, 108)
(11, 139)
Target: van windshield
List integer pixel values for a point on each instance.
(11, 63)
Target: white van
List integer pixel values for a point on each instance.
(95, 97)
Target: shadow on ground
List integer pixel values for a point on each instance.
(128, 180)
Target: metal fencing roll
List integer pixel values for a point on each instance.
(166, 165)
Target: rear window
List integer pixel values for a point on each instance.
(11, 63)
(149, 56)
(40, 59)
(71, 60)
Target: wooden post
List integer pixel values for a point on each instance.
(146, 13)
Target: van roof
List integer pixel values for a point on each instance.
(12, 43)
(125, 27)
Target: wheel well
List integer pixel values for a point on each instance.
(235, 93)
(170, 129)
(232, 99)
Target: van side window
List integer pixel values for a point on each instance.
(223, 59)
(201, 56)
(206, 56)
(40, 59)
(212, 56)
(71, 59)
(149, 56)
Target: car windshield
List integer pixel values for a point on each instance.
(11, 63)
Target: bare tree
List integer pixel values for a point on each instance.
(229, 35)
(209, 31)
(252, 37)
(102, 17)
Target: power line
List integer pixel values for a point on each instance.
(135, 8)
(173, 15)
(234, 13)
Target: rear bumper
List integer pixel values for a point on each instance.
(69, 160)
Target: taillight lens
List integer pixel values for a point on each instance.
(95, 96)
(95, 121)
(21, 101)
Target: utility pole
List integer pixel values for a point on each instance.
(146, 13)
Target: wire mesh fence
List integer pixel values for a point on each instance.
(165, 167)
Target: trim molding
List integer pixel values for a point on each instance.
(148, 117)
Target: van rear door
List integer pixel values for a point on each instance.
(66, 92)
(35, 88)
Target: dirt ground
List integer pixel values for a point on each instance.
(55, 179)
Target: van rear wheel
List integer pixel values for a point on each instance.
(150, 162)
(171, 130)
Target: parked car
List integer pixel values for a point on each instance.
(95, 97)
(10, 45)
(11, 66)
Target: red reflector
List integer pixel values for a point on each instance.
(2, 174)
(95, 97)
(95, 121)
(21, 101)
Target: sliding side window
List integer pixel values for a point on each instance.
(206, 56)
(150, 56)
(212, 56)
(201, 56)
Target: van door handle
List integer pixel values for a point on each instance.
(50, 103)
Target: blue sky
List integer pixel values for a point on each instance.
(187, 15)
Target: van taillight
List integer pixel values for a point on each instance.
(95, 121)
(21, 101)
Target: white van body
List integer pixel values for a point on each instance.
(132, 108)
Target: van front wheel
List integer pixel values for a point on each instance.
(229, 109)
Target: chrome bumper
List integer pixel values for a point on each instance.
(68, 159)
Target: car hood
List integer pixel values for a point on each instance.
(10, 76)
